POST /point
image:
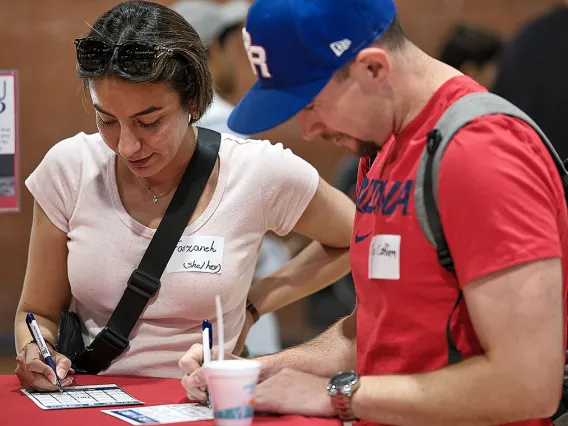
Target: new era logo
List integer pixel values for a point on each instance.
(339, 47)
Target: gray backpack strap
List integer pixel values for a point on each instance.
(457, 116)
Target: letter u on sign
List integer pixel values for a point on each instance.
(2, 97)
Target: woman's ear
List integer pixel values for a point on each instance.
(192, 112)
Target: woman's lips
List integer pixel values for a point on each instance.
(140, 163)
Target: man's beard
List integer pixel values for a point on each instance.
(366, 148)
(362, 148)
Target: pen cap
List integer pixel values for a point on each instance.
(207, 326)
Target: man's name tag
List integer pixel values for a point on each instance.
(384, 257)
(197, 254)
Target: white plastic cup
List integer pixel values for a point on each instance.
(232, 384)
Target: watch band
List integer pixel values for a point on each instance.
(342, 405)
(251, 308)
(47, 341)
(341, 388)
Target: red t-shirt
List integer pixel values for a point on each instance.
(501, 204)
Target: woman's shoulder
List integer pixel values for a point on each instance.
(240, 142)
(263, 156)
(72, 151)
(247, 147)
(74, 145)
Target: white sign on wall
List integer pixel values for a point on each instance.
(8, 141)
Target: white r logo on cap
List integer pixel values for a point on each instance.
(256, 56)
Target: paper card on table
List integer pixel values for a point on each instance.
(82, 397)
(197, 254)
(161, 414)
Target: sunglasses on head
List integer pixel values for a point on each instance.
(132, 58)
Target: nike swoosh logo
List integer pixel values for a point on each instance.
(358, 238)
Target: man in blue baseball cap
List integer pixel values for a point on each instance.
(352, 76)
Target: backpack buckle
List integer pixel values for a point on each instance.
(434, 139)
(445, 259)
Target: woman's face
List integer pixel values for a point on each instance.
(143, 123)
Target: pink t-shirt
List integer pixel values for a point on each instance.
(261, 187)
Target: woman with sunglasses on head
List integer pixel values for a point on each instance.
(99, 199)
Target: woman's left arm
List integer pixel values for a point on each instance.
(328, 221)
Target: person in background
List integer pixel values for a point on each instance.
(474, 51)
(353, 77)
(220, 27)
(99, 198)
(532, 74)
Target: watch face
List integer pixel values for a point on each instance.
(344, 379)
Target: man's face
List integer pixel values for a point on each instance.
(347, 115)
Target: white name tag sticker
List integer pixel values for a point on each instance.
(197, 254)
(384, 257)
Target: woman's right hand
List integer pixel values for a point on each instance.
(34, 373)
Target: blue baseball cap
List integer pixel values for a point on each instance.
(295, 47)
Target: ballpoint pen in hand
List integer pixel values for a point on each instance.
(207, 330)
(40, 341)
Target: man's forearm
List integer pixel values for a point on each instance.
(325, 355)
(472, 392)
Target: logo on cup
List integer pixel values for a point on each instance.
(241, 412)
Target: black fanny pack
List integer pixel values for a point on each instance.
(144, 282)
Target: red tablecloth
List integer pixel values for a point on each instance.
(17, 409)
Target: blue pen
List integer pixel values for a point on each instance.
(40, 341)
(207, 329)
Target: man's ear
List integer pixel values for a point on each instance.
(374, 61)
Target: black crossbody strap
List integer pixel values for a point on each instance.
(144, 282)
(181, 207)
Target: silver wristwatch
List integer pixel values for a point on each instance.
(341, 388)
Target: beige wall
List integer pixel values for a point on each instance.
(36, 37)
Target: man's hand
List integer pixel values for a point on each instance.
(194, 380)
(240, 346)
(294, 392)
